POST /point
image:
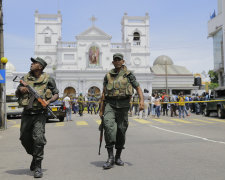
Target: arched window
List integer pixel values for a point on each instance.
(136, 36)
(93, 55)
(69, 91)
(136, 39)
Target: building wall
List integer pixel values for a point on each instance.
(217, 32)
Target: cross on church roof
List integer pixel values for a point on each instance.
(93, 19)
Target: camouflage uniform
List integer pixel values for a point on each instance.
(32, 131)
(81, 104)
(119, 90)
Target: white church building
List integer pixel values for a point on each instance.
(79, 66)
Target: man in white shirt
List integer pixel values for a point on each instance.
(68, 105)
(146, 104)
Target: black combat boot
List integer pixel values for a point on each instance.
(32, 165)
(110, 162)
(38, 171)
(118, 161)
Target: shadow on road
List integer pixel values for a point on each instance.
(22, 172)
(100, 163)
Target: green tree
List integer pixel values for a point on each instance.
(214, 79)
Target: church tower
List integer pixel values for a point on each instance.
(135, 30)
(48, 30)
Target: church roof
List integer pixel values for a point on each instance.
(159, 68)
(162, 60)
(93, 33)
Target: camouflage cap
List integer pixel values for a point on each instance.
(117, 55)
(40, 60)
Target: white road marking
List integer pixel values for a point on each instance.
(198, 137)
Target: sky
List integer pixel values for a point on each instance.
(178, 28)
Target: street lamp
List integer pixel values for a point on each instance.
(4, 60)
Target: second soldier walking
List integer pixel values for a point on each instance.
(117, 90)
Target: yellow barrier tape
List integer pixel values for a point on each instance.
(160, 102)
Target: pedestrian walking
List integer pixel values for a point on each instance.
(117, 90)
(32, 130)
(68, 104)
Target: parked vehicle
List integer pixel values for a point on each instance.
(217, 106)
(12, 106)
(58, 109)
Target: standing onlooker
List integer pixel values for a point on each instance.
(75, 106)
(186, 107)
(89, 106)
(136, 104)
(165, 100)
(181, 100)
(68, 105)
(146, 104)
(173, 109)
(152, 101)
(157, 105)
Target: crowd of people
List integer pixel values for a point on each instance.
(80, 103)
(157, 104)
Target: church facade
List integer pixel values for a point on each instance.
(79, 66)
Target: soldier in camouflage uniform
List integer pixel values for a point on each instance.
(81, 104)
(32, 131)
(117, 90)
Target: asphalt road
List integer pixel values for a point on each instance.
(156, 149)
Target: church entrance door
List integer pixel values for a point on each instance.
(69, 91)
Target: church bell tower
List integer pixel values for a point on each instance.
(48, 30)
(135, 30)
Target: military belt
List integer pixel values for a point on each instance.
(31, 112)
(117, 97)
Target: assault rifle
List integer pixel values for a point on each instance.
(34, 95)
(101, 129)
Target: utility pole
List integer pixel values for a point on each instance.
(2, 113)
(166, 77)
(1, 65)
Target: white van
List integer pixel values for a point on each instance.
(12, 106)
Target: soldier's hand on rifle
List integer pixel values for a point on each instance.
(141, 106)
(46, 103)
(24, 90)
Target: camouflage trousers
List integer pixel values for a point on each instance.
(32, 134)
(115, 126)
